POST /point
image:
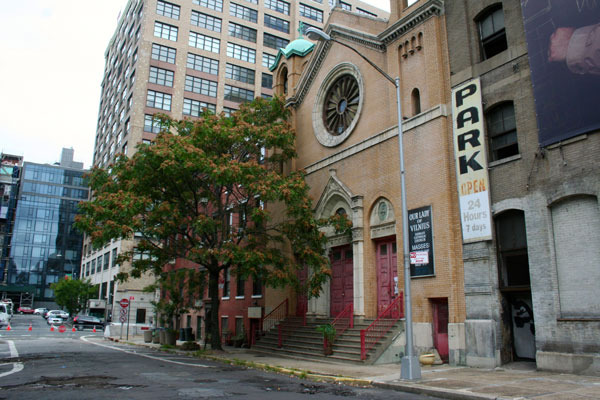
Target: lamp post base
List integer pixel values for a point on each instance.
(410, 369)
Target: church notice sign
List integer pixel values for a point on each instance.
(420, 241)
(471, 162)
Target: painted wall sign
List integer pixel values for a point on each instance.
(420, 240)
(471, 162)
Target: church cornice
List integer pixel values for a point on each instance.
(430, 9)
(378, 43)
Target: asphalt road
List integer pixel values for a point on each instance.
(40, 364)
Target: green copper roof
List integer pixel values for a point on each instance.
(299, 47)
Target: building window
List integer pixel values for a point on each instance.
(238, 73)
(161, 53)
(114, 258)
(151, 124)
(241, 53)
(240, 286)
(200, 86)
(310, 12)
(502, 131)
(277, 23)
(224, 326)
(158, 100)
(256, 287)
(206, 21)
(204, 42)
(491, 32)
(345, 6)
(203, 64)
(365, 12)
(140, 316)
(228, 111)
(248, 14)
(165, 31)
(161, 76)
(195, 108)
(242, 32)
(226, 281)
(237, 94)
(168, 10)
(268, 60)
(216, 5)
(98, 264)
(273, 41)
(106, 261)
(279, 6)
(415, 98)
(267, 81)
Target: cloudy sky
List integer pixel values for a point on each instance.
(50, 74)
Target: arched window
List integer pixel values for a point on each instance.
(284, 75)
(416, 101)
(491, 32)
(502, 131)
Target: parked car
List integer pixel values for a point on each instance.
(40, 311)
(57, 313)
(4, 316)
(25, 310)
(81, 322)
(54, 320)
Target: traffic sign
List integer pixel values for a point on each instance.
(62, 328)
(124, 303)
(123, 311)
(131, 298)
(122, 318)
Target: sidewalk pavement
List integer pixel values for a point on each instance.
(514, 381)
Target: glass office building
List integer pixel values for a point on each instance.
(45, 245)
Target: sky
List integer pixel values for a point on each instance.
(50, 74)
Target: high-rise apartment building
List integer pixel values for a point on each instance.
(44, 245)
(180, 57)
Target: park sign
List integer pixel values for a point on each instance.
(471, 162)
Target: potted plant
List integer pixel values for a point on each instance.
(239, 339)
(329, 334)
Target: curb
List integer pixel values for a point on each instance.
(426, 390)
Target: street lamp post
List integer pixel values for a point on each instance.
(410, 368)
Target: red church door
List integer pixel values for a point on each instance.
(387, 274)
(440, 327)
(342, 279)
(302, 298)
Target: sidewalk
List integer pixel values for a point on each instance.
(515, 381)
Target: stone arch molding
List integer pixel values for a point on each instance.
(382, 220)
(337, 195)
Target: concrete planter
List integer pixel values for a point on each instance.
(147, 336)
(170, 338)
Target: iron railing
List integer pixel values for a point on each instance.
(343, 321)
(278, 314)
(371, 335)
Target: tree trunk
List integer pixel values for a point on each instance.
(213, 293)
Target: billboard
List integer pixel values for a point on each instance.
(563, 42)
(471, 162)
(420, 241)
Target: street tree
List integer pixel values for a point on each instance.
(215, 192)
(73, 294)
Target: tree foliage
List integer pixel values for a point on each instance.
(73, 294)
(181, 194)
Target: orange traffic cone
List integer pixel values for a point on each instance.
(8, 328)
(73, 329)
(94, 330)
(30, 328)
(51, 328)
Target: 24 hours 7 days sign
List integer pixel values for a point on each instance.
(471, 162)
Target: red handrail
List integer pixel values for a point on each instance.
(279, 313)
(371, 335)
(343, 321)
